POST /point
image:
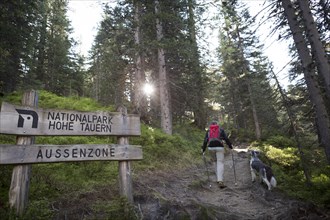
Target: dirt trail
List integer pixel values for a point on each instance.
(187, 195)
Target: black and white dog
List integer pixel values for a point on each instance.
(264, 171)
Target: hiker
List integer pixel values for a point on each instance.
(213, 141)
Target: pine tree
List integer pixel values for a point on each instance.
(36, 47)
(244, 74)
(17, 40)
(111, 57)
(126, 41)
(301, 43)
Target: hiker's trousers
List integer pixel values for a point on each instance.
(220, 155)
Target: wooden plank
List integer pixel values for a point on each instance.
(26, 154)
(21, 120)
(20, 180)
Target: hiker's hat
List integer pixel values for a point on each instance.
(214, 122)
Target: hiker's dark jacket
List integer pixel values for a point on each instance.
(223, 136)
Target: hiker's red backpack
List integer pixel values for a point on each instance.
(214, 136)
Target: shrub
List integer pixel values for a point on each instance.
(288, 170)
(281, 141)
(285, 157)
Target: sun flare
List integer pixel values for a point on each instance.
(148, 89)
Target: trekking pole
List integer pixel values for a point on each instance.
(207, 171)
(232, 156)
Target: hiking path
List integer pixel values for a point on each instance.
(187, 194)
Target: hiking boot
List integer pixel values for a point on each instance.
(221, 185)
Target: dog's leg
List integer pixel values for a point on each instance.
(268, 183)
(253, 174)
(265, 179)
(271, 181)
(261, 174)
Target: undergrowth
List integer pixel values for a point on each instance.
(283, 156)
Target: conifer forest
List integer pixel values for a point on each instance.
(164, 45)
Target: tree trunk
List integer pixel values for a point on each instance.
(322, 117)
(318, 50)
(41, 68)
(166, 116)
(245, 71)
(124, 167)
(199, 106)
(234, 96)
(139, 99)
(254, 112)
(293, 126)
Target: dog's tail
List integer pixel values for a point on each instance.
(273, 182)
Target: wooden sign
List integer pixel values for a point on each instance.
(31, 121)
(23, 154)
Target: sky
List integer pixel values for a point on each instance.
(276, 51)
(85, 16)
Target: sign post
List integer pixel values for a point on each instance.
(125, 178)
(20, 180)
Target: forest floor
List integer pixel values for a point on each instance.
(187, 195)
